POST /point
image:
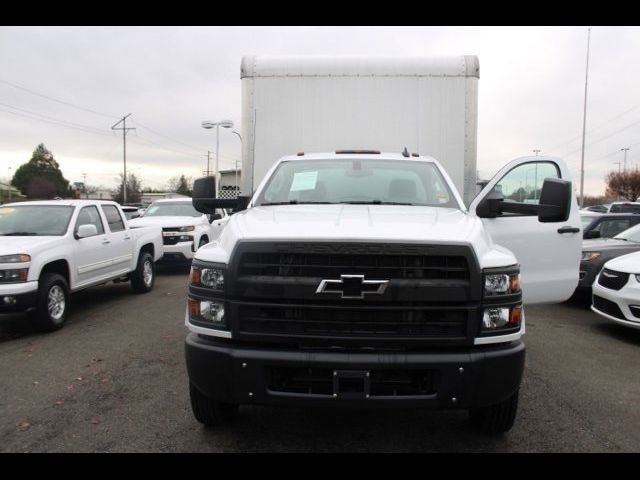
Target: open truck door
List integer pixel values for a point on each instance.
(529, 208)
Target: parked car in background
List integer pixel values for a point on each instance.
(599, 225)
(50, 249)
(596, 208)
(130, 212)
(616, 291)
(596, 252)
(184, 229)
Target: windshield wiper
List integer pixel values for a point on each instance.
(376, 202)
(294, 202)
(20, 234)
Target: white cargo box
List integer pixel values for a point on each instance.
(316, 104)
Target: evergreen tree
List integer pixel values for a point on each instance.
(41, 177)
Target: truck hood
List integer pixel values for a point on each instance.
(356, 223)
(606, 244)
(164, 221)
(15, 245)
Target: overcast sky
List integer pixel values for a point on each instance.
(531, 91)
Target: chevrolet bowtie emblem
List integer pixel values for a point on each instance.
(353, 286)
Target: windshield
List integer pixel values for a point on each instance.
(385, 182)
(31, 220)
(630, 234)
(625, 208)
(172, 209)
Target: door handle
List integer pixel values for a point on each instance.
(127, 237)
(568, 230)
(105, 241)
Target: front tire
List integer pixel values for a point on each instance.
(495, 419)
(144, 276)
(52, 302)
(211, 412)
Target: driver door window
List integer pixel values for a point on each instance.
(523, 183)
(89, 215)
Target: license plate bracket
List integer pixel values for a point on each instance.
(351, 384)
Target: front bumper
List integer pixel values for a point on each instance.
(624, 298)
(23, 297)
(179, 252)
(461, 378)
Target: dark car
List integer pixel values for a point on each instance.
(596, 252)
(607, 225)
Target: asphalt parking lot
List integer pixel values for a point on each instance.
(114, 379)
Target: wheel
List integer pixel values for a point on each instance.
(143, 277)
(497, 418)
(210, 412)
(52, 302)
(203, 241)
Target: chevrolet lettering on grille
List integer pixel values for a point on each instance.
(353, 286)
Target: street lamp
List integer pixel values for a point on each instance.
(9, 182)
(241, 150)
(208, 124)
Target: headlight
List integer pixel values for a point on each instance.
(589, 256)
(189, 228)
(20, 258)
(13, 276)
(496, 318)
(501, 284)
(207, 311)
(209, 277)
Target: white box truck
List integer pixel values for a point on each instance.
(360, 278)
(317, 104)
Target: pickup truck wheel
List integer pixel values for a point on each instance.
(495, 419)
(143, 277)
(52, 302)
(210, 412)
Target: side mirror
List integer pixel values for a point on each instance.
(592, 234)
(555, 201)
(204, 197)
(86, 230)
(554, 204)
(490, 206)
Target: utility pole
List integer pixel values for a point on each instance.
(537, 151)
(584, 121)
(84, 184)
(619, 164)
(208, 159)
(124, 129)
(625, 150)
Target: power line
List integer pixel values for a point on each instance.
(58, 123)
(577, 137)
(56, 99)
(605, 137)
(166, 136)
(53, 119)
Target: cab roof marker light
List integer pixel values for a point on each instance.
(364, 152)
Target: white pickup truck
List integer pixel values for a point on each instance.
(49, 249)
(361, 279)
(184, 229)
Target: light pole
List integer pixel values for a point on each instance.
(208, 125)
(241, 149)
(584, 120)
(9, 181)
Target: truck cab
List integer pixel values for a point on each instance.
(361, 279)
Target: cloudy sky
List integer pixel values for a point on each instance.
(65, 87)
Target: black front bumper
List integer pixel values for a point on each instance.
(462, 377)
(23, 302)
